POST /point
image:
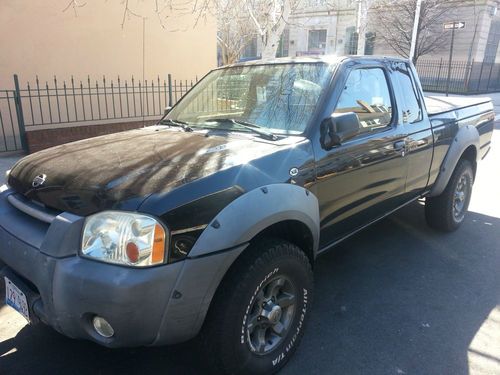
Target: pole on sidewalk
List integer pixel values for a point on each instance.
(449, 60)
(415, 30)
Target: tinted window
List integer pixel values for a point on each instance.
(411, 110)
(366, 93)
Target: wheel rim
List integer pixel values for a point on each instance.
(460, 197)
(271, 315)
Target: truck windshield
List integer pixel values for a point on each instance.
(280, 98)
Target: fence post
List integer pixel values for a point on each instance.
(20, 115)
(489, 77)
(438, 85)
(480, 78)
(169, 90)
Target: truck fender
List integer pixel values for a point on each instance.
(256, 210)
(465, 137)
(220, 244)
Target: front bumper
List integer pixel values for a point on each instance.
(151, 306)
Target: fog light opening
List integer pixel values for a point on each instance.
(102, 327)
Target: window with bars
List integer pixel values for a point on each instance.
(351, 41)
(284, 43)
(492, 43)
(317, 41)
(369, 43)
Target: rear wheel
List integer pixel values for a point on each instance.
(447, 211)
(257, 317)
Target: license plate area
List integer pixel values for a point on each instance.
(15, 298)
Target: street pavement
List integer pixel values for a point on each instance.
(397, 298)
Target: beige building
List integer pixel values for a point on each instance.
(324, 27)
(47, 38)
(40, 38)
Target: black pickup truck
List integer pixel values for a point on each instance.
(209, 223)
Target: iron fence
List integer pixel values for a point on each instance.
(104, 99)
(10, 135)
(59, 102)
(459, 77)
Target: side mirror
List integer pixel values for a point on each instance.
(167, 109)
(338, 128)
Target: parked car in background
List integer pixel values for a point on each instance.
(209, 223)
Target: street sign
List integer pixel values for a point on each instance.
(454, 25)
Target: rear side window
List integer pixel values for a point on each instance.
(412, 111)
(366, 93)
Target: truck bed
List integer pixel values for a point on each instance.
(464, 111)
(440, 104)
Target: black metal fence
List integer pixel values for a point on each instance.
(459, 77)
(38, 104)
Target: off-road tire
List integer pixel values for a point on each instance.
(440, 211)
(226, 338)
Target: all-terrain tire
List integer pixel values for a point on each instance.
(446, 212)
(239, 334)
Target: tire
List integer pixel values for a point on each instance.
(446, 212)
(269, 267)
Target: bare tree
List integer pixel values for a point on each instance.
(270, 18)
(394, 22)
(234, 31)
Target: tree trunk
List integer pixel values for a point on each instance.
(272, 35)
(271, 47)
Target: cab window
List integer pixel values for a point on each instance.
(366, 93)
(412, 111)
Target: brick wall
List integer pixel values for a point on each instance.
(41, 139)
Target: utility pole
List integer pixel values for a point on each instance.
(450, 60)
(415, 30)
(361, 15)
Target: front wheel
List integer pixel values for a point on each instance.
(257, 317)
(447, 211)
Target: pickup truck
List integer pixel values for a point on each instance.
(208, 224)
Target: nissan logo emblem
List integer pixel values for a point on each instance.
(39, 180)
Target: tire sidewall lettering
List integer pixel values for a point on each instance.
(291, 343)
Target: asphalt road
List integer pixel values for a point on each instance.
(398, 298)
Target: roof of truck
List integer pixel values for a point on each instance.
(328, 59)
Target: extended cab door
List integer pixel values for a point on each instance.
(364, 177)
(419, 141)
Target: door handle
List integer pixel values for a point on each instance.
(400, 146)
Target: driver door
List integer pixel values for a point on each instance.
(364, 177)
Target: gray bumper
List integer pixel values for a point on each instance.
(152, 306)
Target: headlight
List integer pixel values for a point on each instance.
(124, 238)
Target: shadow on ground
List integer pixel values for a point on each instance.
(397, 298)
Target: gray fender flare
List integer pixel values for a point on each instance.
(465, 137)
(220, 244)
(256, 210)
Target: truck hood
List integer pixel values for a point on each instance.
(119, 171)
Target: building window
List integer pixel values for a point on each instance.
(284, 42)
(351, 41)
(491, 50)
(317, 41)
(369, 43)
(250, 50)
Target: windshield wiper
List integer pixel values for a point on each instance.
(184, 125)
(247, 125)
